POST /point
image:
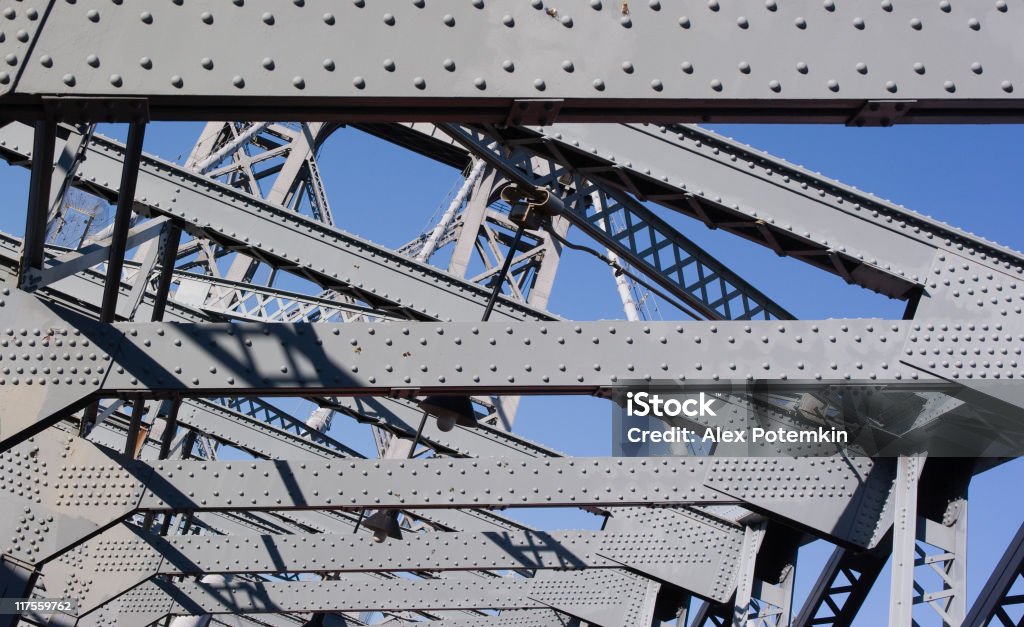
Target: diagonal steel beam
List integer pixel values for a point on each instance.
(321, 253)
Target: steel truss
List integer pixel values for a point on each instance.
(122, 380)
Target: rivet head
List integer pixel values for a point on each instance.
(267, 63)
(329, 19)
(539, 84)
(176, 81)
(93, 15)
(206, 17)
(419, 82)
(448, 64)
(359, 82)
(146, 63)
(207, 63)
(298, 82)
(238, 82)
(69, 80)
(329, 65)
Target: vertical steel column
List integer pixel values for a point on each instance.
(752, 537)
(122, 219)
(904, 541)
(131, 444)
(38, 198)
(170, 428)
(170, 239)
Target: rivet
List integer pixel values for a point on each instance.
(268, 18)
(329, 19)
(238, 82)
(419, 82)
(389, 19)
(206, 17)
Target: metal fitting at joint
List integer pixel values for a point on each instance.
(531, 205)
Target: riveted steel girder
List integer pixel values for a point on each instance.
(222, 359)
(865, 240)
(280, 237)
(696, 552)
(604, 61)
(608, 598)
(850, 496)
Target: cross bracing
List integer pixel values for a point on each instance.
(125, 379)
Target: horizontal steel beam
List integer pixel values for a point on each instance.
(602, 598)
(605, 61)
(101, 488)
(125, 556)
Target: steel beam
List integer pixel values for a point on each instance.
(122, 219)
(850, 496)
(599, 602)
(43, 142)
(832, 63)
(125, 556)
(835, 227)
(632, 231)
(323, 254)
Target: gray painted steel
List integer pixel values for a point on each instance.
(426, 61)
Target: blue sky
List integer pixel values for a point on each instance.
(965, 175)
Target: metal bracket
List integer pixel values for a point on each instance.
(534, 112)
(881, 112)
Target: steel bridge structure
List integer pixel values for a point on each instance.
(133, 359)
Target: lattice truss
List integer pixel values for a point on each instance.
(149, 470)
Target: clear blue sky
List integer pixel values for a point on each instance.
(965, 175)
